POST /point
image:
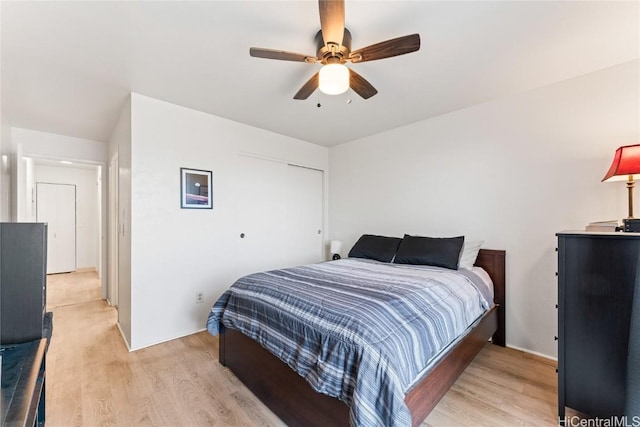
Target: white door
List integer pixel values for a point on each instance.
(304, 215)
(56, 205)
(261, 213)
(279, 215)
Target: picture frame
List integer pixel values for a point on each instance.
(196, 189)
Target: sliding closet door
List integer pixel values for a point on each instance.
(304, 215)
(56, 205)
(279, 215)
(261, 212)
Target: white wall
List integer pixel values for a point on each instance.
(87, 203)
(27, 210)
(5, 173)
(512, 172)
(18, 181)
(177, 252)
(58, 147)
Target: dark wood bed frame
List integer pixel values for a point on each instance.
(290, 397)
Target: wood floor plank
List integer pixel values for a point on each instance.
(93, 380)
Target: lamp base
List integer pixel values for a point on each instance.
(631, 225)
(335, 257)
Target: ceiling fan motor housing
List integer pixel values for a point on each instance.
(332, 53)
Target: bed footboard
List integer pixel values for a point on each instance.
(278, 386)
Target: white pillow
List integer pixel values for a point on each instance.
(469, 253)
(480, 272)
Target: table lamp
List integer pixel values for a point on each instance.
(336, 247)
(626, 166)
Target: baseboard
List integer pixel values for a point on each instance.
(535, 353)
(167, 340)
(86, 270)
(124, 338)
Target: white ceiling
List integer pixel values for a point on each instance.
(67, 67)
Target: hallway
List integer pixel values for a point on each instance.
(93, 380)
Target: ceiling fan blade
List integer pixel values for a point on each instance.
(308, 88)
(258, 52)
(387, 49)
(332, 20)
(360, 85)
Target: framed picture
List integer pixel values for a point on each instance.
(196, 189)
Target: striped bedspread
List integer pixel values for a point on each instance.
(358, 330)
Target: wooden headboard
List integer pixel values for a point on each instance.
(493, 262)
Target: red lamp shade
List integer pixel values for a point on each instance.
(626, 162)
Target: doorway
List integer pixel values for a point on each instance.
(90, 207)
(112, 291)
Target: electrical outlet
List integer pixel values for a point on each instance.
(199, 297)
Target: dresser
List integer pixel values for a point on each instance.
(23, 278)
(25, 326)
(597, 278)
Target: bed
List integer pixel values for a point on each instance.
(293, 399)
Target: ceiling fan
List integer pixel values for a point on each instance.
(334, 50)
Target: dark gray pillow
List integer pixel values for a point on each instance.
(380, 248)
(439, 252)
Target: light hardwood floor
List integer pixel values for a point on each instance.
(92, 380)
(72, 288)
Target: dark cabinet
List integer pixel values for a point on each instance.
(25, 327)
(597, 278)
(23, 278)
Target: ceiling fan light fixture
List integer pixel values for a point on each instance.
(334, 79)
(333, 43)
